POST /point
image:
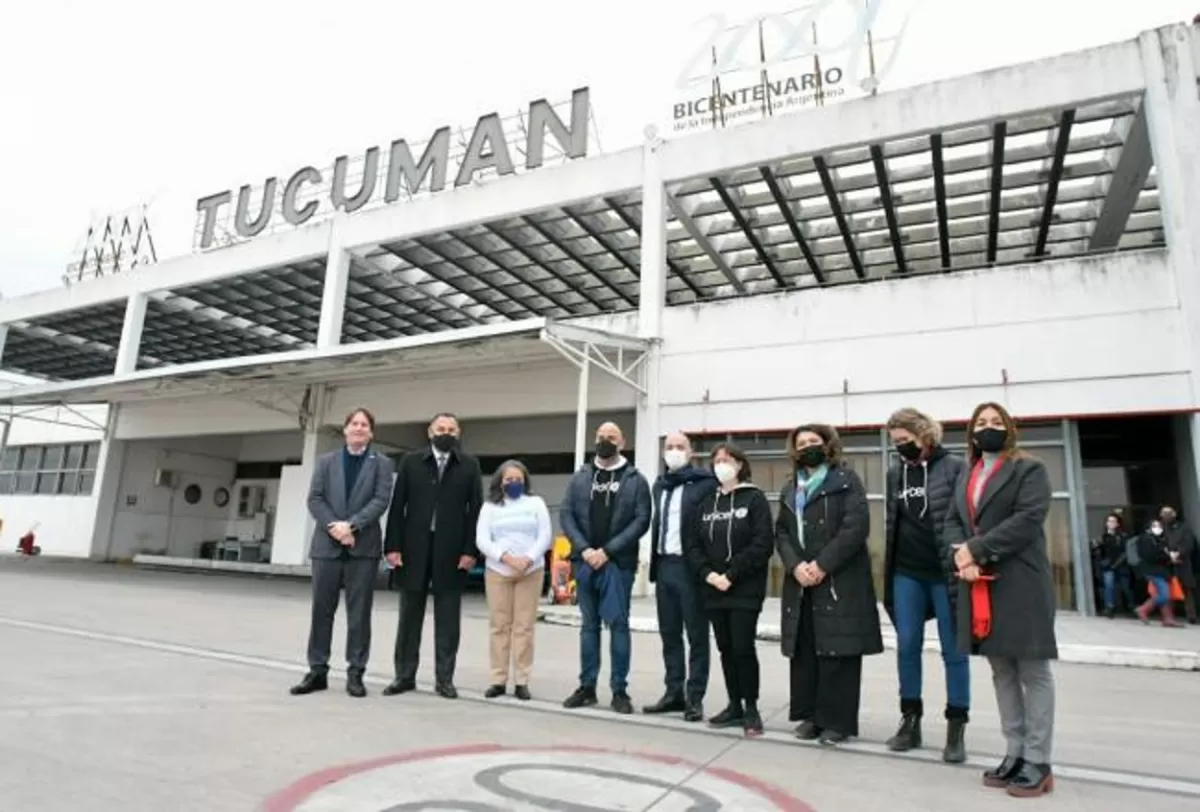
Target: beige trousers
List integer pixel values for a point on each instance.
(512, 612)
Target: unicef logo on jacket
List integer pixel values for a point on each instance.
(611, 487)
(726, 515)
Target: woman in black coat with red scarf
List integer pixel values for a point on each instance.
(830, 618)
(996, 543)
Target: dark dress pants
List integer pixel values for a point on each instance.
(681, 608)
(329, 577)
(447, 616)
(825, 690)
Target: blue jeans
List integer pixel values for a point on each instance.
(1162, 589)
(1111, 579)
(911, 598)
(619, 642)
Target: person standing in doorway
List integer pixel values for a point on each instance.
(676, 496)
(350, 491)
(729, 545)
(1112, 560)
(513, 534)
(997, 542)
(916, 578)
(605, 513)
(830, 619)
(431, 543)
(1182, 544)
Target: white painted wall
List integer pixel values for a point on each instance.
(55, 424)
(194, 416)
(63, 523)
(1074, 337)
(159, 519)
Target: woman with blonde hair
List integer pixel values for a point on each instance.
(917, 578)
(997, 544)
(830, 619)
(513, 533)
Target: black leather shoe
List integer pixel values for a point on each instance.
(732, 716)
(621, 703)
(584, 697)
(494, 691)
(1031, 781)
(668, 703)
(999, 776)
(400, 686)
(808, 732)
(446, 690)
(312, 682)
(355, 687)
(694, 712)
(521, 692)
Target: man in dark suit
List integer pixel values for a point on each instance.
(350, 491)
(431, 543)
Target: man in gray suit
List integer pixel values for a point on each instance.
(350, 492)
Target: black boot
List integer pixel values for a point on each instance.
(955, 751)
(908, 737)
(354, 685)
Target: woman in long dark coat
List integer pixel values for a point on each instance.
(830, 618)
(996, 543)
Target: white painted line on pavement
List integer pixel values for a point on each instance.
(1114, 778)
(1074, 653)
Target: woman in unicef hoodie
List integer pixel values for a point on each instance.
(729, 543)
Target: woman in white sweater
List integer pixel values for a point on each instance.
(514, 536)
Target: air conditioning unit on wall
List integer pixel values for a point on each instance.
(164, 478)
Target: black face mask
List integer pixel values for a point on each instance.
(606, 449)
(444, 443)
(990, 441)
(909, 451)
(811, 456)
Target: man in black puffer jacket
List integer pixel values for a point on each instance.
(916, 586)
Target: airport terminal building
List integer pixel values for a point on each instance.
(1026, 235)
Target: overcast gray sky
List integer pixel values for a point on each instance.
(104, 105)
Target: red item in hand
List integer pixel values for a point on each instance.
(981, 607)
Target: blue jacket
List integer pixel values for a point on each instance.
(630, 515)
(613, 605)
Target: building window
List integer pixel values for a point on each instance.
(48, 470)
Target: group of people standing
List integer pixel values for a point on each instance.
(965, 545)
(1153, 569)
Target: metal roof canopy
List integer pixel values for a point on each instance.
(1067, 181)
(278, 381)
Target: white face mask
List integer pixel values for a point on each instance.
(726, 472)
(675, 458)
(1156, 531)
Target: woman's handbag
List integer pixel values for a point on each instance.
(1174, 589)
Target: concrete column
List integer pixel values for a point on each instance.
(106, 491)
(131, 334)
(581, 413)
(1173, 119)
(294, 525)
(651, 303)
(333, 294)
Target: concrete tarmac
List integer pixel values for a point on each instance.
(130, 690)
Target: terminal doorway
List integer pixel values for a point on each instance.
(1130, 464)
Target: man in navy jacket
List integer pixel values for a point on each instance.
(604, 515)
(676, 495)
